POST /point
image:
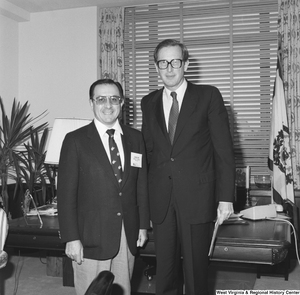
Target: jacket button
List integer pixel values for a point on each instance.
(170, 177)
(119, 214)
(120, 194)
(172, 159)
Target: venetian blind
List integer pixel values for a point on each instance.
(232, 45)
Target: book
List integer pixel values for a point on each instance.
(213, 239)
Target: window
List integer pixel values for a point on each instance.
(232, 45)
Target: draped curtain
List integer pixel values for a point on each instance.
(111, 57)
(289, 46)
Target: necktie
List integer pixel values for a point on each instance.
(114, 155)
(174, 112)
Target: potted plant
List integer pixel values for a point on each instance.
(14, 131)
(31, 169)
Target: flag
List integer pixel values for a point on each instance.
(279, 161)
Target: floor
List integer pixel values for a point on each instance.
(27, 275)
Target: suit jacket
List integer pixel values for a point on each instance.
(199, 168)
(91, 204)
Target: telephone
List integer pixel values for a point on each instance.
(259, 212)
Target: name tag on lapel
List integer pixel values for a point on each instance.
(136, 160)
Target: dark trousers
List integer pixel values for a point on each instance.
(174, 238)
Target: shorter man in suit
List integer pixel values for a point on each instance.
(102, 192)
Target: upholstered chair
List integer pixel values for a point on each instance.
(102, 284)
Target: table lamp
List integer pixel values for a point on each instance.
(61, 127)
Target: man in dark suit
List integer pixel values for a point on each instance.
(103, 213)
(191, 170)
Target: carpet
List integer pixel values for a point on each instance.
(222, 276)
(27, 275)
(231, 276)
(271, 282)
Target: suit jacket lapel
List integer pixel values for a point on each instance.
(96, 144)
(126, 141)
(98, 150)
(159, 112)
(189, 103)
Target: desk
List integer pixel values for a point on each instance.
(258, 242)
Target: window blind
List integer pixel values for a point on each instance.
(232, 45)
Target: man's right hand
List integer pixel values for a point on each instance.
(74, 250)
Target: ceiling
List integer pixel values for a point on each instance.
(33, 6)
(20, 10)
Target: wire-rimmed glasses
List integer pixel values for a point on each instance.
(102, 99)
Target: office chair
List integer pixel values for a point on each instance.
(3, 235)
(102, 284)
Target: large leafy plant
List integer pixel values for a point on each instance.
(31, 169)
(14, 131)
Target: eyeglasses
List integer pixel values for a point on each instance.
(175, 64)
(115, 100)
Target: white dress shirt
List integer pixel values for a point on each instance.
(101, 128)
(168, 100)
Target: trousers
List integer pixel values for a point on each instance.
(175, 238)
(121, 266)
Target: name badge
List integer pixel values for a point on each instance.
(136, 160)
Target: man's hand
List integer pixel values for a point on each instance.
(74, 250)
(225, 209)
(143, 237)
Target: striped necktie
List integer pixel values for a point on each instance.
(114, 155)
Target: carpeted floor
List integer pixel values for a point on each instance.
(278, 283)
(27, 275)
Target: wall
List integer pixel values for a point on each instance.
(8, 61)
(58, 62)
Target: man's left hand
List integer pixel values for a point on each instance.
(225, 209)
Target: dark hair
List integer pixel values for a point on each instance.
(171, 42)
(105, 81)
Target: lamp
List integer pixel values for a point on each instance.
(61, 127)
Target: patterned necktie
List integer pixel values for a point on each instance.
(174, 112)
(114, 155)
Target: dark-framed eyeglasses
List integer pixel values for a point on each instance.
(175, 64)
(114, 99)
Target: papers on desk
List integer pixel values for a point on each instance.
(213, 239)
(49, 210)
(233, 219)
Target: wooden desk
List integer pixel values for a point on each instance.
(258, 242)
(31, 236)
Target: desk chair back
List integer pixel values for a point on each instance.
(101, 285)
(3, 235)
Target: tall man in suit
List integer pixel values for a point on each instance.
(103, 213)
(191, 170)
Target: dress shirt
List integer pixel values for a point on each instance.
(101, 128)
(168, 100)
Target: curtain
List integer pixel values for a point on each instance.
(111, 56)
(289, 42)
